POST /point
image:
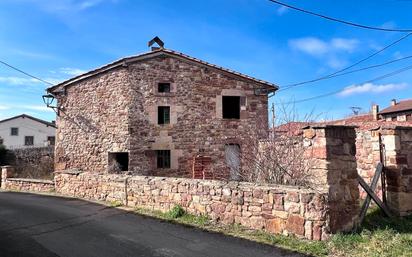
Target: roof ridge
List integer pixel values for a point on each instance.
(23, 115)
(132, 58)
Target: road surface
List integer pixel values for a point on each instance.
(46, 226)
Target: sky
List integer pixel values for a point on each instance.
(56, 40)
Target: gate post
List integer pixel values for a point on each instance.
(331, 150)
(398, 168)
(6, 172)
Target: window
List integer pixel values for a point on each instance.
(118, 162)
(163, 114)
(14, 131)
(231, 107)
(51, 140)
(163, 88)
(1, 141)
(163, 159)
(29, 140)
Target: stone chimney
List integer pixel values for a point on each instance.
(375, 111)
(156, 40)
(393, 102)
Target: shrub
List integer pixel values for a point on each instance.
(3, 155)
(176, 212)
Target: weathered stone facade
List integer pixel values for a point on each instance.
(116, 111)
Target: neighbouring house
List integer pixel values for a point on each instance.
(397, 111)
(159, 113)
(24, 131)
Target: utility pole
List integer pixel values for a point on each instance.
(273, 116)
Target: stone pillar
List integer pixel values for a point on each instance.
(398, 168)
(331, 159)
(6, 172)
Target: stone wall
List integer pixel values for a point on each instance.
(398, 168)
(368, 156)
(277, 209)
(37, 162)
(331, 155)
(116, 111)
(23, 184)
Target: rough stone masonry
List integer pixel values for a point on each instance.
(115, 110)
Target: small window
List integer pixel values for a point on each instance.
(29, 140)
(14, 131)
(231, 107)
(51, 140)
(163, 114)
(163, 159)
(118, 162)
(163, 87)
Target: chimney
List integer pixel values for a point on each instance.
(158, 41)
(375, 111)
(393, 102)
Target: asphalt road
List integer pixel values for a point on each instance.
(47, 226)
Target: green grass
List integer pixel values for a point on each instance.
(378, 236)
(115, 203)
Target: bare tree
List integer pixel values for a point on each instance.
(281, 157)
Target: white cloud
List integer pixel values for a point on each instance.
(281, 10)
(3, 107)
(19, 81)
(42, 108)
(72, 71)
(389, 25)
(69, 5)
(371, 88)
(348, 45)
(315, 46)
(309, 45)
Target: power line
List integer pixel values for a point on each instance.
(331, 75)
(25, 73)
(341, 89)
(339, 20)
(352, 71)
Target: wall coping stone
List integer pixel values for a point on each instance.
(229, 184)
(32, 180)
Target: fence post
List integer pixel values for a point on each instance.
(331, 152)
(6, 172)
(398, 169)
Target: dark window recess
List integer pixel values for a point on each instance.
(163, 114)
(29, 140)
(118, 162)
(51, 140)
(14, 131)
(1, 141)
(163, 87)
(231, 107)
(163, 159)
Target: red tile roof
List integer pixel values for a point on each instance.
(405, 105)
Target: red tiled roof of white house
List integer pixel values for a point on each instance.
(401, 106)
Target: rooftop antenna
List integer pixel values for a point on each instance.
(158, 41)
(356, 110)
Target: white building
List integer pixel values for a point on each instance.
(26, 131)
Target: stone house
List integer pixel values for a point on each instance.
(159, 113)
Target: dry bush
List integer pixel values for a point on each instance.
(281, 158)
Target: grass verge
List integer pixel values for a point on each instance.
(379, 236)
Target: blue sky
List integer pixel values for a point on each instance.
(56, 40)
